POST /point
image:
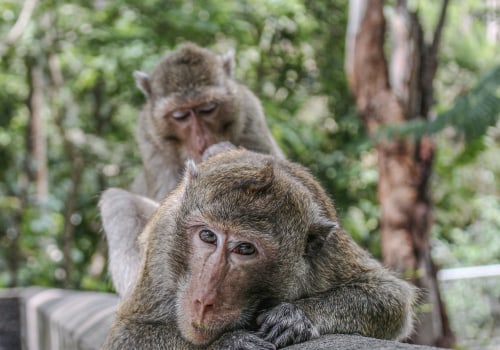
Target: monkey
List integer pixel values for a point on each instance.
(247, 252)
(192, 102)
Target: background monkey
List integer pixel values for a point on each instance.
(193, 102)
(247, 253)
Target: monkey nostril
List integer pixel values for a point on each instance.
(203, 306)
(203, 311)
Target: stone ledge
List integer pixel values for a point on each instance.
(354, 342)
(53, 319)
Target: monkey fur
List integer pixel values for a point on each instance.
(246, 253)
(192, 102)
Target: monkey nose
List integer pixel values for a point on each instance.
(203, 308)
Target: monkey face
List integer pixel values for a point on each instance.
(196, 126)
(192, 101)
(193, 121)
(224, 265)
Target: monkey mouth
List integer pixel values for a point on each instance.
(200, 326)
(201, 333)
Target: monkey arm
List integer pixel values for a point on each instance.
(158, 176)
(162, 182)
(377, 305)
(122, 232)
(127, 334)
(241, 340)
(130, 334)
(161, 167)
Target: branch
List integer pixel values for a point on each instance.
(22, 21)
(430, 63)
(77, 164)
(439, 29)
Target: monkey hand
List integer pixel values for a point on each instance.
(242, 340)
(285, 325)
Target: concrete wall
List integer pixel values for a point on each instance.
(53, 319)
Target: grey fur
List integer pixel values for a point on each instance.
(182, 77)
(317, 280)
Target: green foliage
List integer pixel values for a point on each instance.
(291, 54)
(471, 115)
(91, 113)
(472, 303)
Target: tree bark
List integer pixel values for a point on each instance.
(37, 152)
(76, 165)
(390, 94)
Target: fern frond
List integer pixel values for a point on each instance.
(471, 114)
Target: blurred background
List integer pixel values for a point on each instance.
(69, 105)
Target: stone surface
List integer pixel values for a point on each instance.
(354, 342)
(10, 323)
(62, 319)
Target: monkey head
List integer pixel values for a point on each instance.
(192, 100)
(236, 224)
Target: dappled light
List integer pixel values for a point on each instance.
(419, 157)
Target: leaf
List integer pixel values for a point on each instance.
(471, 114)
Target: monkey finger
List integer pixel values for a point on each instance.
(257, 344)
(243, 340)
(285, 338)
(294, 335)
(286, 324)
(283, 315)
(269, 330)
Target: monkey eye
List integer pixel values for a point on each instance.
(207, 108)
(208, 236)
(244, 248)
(180, 114)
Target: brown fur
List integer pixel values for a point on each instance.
(307, 278)
(186, 80)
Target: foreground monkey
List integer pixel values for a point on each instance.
(247, 253)
(192, 102)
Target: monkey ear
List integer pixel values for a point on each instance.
(228, 62)
(124, 216)
(318, 234)
(142, 82)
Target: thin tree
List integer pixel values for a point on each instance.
(389, 94)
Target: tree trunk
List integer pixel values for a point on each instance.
(390, 94)
(37, 153)
(76, 165)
